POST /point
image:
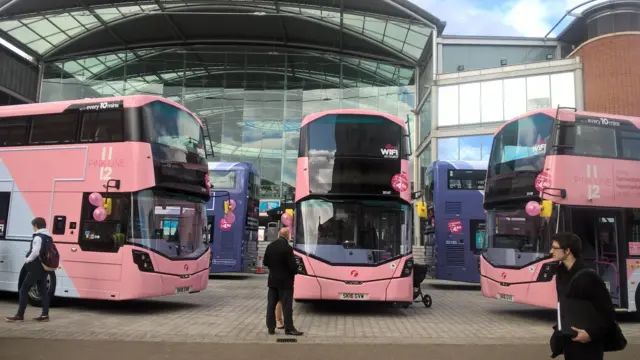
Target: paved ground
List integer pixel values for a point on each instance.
(232, 311)
(20, 349)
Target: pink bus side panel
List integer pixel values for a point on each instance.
(595, 181)
(49, 180)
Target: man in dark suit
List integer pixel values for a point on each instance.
(279, 258)
(588, 343)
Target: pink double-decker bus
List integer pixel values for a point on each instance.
(122, 184)
(353, 215)
(556, 171)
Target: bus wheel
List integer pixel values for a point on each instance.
(427, 300)
(34, 296)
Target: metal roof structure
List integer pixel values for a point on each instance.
(576, 32)
(394, 31)
(207, 50)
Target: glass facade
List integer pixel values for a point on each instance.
(425, 160)
(500, 100)
(252, 101)
(466, 148)
(475, 57)
(425, 119)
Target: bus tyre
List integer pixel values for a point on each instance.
(34, 296)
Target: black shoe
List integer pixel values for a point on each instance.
(14, 319)
(42, 318)
(272, 331)
(293, 332)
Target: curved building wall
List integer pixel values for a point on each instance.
(611, 73)
(252, 106)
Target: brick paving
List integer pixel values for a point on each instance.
(231, 310)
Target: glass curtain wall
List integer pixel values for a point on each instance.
(252, 101)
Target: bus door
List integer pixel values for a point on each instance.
(599, 232)
(608, 254)
(211, 221)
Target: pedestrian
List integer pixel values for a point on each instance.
(585, 286)
(279, 258)
(36, 273)
(279, 315)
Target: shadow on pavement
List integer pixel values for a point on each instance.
(126, 307)
(549, 315)
(229, 276)
(454, 287)
(354, 308)
(20, 349)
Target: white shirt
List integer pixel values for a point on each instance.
(559, 323)
(36, 245)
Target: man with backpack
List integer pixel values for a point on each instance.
(37, 271)
(582, 297)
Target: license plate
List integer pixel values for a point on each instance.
(183, 289)
(505, 297)
(350, 296)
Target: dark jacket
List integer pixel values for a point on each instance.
(279, 258)
(591, 288)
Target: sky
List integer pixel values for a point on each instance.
(502, 17)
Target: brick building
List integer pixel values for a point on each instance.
(607, 40)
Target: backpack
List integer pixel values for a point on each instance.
(613, 340)
(49, 255)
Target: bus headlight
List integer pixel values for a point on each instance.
(143, 260)
(407, 268)
(301, 269)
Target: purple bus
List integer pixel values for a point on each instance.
(455, 225)
(234, 247)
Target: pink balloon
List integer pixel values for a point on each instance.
(99, 214)
(532, 208)
(95, 199)
(286, 219)
(232, 205)
(230, 218)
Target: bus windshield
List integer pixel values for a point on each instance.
(221, 179)
(521, 145)
(515, 238)
(173, 225)
(168, 125)
(353, 231)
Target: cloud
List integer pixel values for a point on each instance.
(533, 18)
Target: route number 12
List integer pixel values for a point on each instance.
(593, 190)
(105, 171)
